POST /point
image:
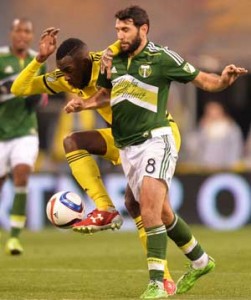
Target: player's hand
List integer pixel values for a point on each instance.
(106, 62)
(231, 73)
(47, 44)
(74, 105)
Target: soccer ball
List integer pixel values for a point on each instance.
(64, 209)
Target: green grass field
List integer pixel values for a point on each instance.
(64, 265)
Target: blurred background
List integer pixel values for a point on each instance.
(212, 185)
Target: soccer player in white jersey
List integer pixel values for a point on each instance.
(18, 127)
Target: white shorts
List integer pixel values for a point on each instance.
(22, 150)
(156, 158)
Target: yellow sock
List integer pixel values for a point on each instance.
(85, 170)
(143, 239)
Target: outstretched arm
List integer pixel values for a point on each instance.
(28, 82)
(98, 100)
(47, 44)
(216, 83)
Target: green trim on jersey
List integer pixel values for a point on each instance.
(140, 91)
(17, 114)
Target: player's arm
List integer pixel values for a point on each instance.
(107, 56)
(100, 99)
(27, 82)
(216, 83)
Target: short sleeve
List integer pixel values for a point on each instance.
(175, 68)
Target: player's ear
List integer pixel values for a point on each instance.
(144, 29)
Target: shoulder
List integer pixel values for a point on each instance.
(166, 55)
(54, 75)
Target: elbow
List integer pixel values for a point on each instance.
(14, 90)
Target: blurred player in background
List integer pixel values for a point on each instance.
(77, 73)
(19, 143)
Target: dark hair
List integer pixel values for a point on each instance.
(136, 13)
(69, 47)
(20, 20)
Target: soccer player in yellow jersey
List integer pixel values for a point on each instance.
(77, 73)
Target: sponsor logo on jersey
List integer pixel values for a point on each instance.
(145, 71)
(8, 70)
(189, 68)
(51, 78)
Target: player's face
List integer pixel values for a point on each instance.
(21, 35)
(130, 36)
(76, 70)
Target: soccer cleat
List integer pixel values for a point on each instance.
(154, 291)
(187, 281)
(13, 247)
(169, 286)
(99, 220)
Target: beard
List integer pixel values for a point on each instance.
(133, 46)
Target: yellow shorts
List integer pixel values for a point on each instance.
(112, 152)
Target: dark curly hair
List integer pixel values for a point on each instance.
(136, 13)
(69, 47)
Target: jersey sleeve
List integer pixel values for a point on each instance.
(175, 68)
(28, 82)
(115, 47)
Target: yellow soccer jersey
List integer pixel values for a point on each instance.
(28, 83)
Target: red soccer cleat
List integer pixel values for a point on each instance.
(169, 286)
(98, 220)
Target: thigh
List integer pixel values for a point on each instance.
(154, 158)
(159, 158)
(112, 152)
(24, 151)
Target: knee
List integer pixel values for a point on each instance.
(70, 143)
(21, 174)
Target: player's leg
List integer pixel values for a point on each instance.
(148, 168)
(152, 197)
(201, 263)
(2, 180)
(79, 146)
(4, 158)
(23, 157)
(134, 210)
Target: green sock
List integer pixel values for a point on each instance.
(18, 211)
(156, 251)
(181, 234)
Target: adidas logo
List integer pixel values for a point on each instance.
(114, 70)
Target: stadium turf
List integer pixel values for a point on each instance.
(62, 265)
